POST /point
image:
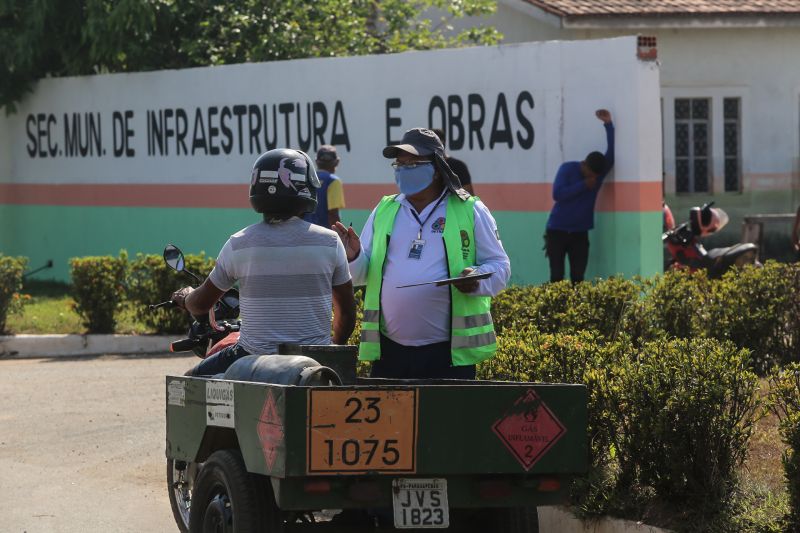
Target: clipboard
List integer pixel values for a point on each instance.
(448, 281)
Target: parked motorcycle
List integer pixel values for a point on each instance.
(207, 334)
(686, 251)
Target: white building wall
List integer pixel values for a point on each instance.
(759, 65)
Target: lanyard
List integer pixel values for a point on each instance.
(423, 222)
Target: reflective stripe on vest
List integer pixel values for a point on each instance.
(472, 334)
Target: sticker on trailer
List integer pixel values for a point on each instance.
(176, 393)
(219, 403)
(529, 429)
(270, 430)
(357, 431)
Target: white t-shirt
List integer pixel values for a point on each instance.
(417, 316)
(285, 273)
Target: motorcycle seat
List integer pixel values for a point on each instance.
(731, 251)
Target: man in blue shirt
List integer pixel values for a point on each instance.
(574, 192)
(330, 196)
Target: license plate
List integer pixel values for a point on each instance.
(420, 503)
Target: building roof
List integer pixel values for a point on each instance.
(670, 8)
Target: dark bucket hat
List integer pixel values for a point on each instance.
(416, 141)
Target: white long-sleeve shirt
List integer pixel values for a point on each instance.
(417, 316)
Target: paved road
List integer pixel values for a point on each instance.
(82, 444)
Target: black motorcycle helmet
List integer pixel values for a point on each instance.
(284, 183)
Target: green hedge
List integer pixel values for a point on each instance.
(755, 308)
(11, 301)
(688, 399)
(98, 287)
(685, 412)
(785, 402)
(759, 309)
(563, 307)
(151, 281)
(673, 305)
(526, 354)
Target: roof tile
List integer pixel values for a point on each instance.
(573, 8)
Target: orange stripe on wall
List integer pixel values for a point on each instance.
(125, 195)
(614, 196)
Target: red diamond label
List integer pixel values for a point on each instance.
(529, 429)
(270, 430)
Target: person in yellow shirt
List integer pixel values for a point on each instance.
(330, 196)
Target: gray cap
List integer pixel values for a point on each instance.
(416, 141)
(327, 152)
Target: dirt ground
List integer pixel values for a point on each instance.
(82, 444)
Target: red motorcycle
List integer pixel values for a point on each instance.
(207, 334)
(686, 251)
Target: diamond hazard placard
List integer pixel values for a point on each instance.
(270, 430)
(529, 429)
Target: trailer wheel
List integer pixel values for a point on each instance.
(225, 497)
(180, 485)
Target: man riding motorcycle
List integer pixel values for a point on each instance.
(290, 272)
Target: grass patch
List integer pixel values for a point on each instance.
(51, 310)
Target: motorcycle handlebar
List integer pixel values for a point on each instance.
(167, 304)
(183, 345)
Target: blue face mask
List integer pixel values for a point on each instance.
(413, 180)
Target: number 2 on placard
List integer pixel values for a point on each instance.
(358, 409)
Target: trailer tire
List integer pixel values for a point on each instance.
(180, 486)
(226, 497)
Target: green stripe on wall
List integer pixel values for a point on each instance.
(626, 243)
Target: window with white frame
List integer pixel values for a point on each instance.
(704, 139)
(732, 112)
(692, 144)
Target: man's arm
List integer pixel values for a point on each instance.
(358, 249)
(200, 300)
(489, 256)
(605, 116)
(335, 201)
(562, 189)
(796, 231)
(344, 312)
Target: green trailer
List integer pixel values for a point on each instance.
(472, 455)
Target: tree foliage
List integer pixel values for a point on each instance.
(43, 38)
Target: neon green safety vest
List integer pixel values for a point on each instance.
(472, 331)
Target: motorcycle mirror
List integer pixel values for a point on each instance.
(173, 257)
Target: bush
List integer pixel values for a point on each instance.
(687, 409)
(98, 287)
(525, 354)
(674, 305)
(11, 301)
(566, 308)
(759, 309)
(785, 402)
(673, 417)
(151, 281)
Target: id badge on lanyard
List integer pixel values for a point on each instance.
(417, 245)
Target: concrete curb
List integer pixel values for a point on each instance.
(21, 346)
(561, 520)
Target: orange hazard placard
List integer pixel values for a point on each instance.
(356, 431)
